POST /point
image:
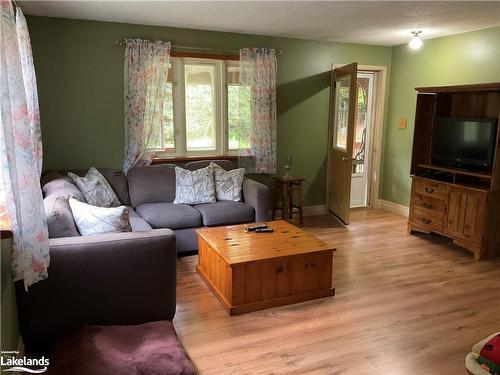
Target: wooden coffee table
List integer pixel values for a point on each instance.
(254, 271)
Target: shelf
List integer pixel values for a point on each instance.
(464, 172)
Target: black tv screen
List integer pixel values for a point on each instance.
(464, 142)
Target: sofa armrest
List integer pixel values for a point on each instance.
(119, 278)
(257, 195)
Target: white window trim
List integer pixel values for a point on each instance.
(179, 110)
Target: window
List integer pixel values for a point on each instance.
(206, 110)
(238, 109)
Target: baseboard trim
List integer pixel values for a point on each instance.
(395, 208)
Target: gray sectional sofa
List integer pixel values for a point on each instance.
(149, 192)
(121, 278)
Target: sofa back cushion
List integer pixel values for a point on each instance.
(194, 165)
(116, 179)
(60, 220)
(59, 185)
(118, 182)
(153, 184)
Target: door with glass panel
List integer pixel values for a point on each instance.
(342, 119)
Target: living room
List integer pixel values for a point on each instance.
(376, 247)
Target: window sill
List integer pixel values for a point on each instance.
(173, 159)
(5, 226)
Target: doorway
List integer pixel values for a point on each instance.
(361, 163)
(356, 173)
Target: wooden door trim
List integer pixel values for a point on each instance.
(377, 132)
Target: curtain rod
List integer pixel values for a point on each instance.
(123, 42)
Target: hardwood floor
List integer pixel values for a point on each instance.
(404, 305)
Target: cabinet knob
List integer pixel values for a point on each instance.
(428, 205)
(426, 221)
(429, 190)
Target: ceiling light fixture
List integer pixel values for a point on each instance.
(416, 41)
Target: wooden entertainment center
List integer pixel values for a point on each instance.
(461, 204)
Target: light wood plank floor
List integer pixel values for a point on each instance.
(404, 305)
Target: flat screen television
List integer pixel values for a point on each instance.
(464, 142)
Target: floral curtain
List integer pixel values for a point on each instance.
(146, 69)
(20, 150)
(23, 39)
(258, 70)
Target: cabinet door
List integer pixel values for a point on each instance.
(465, 214)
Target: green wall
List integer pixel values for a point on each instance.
(472, 57)
(80, 82)
(9, 327)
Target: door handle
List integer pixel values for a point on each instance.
(345, 158)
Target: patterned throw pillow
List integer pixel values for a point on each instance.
(94, 220)
(96, 189)
(228, 184)
(194, 187)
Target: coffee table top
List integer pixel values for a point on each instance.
(237, 246)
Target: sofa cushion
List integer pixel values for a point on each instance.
(169, 215)
(96, 189)
(60, 220)
(151, 348)
(153, 184)
(228, 184)
(95, 220)
(64, 187)
(137, 223)
(118, 182)
(224, 213)
(194, 187)
(194, 165)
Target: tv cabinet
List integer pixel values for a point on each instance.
(461, 204)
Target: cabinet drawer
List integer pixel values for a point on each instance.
(429, 188)
(428, 203)
(427, 219)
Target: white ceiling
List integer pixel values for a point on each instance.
(370, 22)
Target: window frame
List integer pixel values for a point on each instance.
(221, 114)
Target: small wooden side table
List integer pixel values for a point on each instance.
(287, 185)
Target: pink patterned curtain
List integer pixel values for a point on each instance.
(258, 70)
(146, 69)
(20, 150)
(23, 39)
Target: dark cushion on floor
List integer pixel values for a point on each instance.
(223, 213)
(153, 184)
(169, 215)
(151, 348)
(137, 222)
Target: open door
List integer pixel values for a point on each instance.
(342, 117)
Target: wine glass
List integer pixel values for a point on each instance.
(288, 164)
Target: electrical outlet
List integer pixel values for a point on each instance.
(403, 121)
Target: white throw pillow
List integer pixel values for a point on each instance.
(96, 189)
(94, 220)
(228, 184)
(194, 187)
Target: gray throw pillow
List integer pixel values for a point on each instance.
(228, 184)
(96, 189)
(94, 220)
(194, 187)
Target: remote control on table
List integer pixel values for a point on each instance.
(254, 228)
(264, 230)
